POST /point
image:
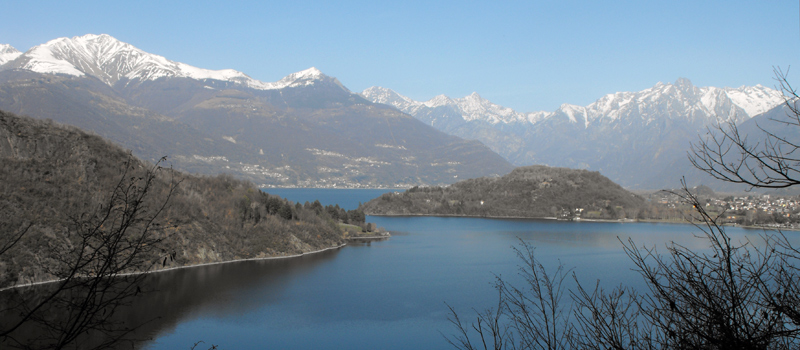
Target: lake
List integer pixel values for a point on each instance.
(390, 294)
(345, 198)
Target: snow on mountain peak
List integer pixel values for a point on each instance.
(755, 99)
(574, 113)
(474, 107)
(110, 60)
(8, 53)
(302, 78)
(438, 101)
(303, 75)
(387, 96)
(471, 107)
(678, 100)
(312, 72)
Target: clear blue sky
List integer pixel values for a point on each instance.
(527, 55)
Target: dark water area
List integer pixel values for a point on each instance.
(389, 294)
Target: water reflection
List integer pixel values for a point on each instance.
(383, 294)
(219, 290)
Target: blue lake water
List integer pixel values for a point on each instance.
(345, 198)
(382, 295)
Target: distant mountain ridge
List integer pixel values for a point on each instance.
(638, 139)
(306, 129)
(720, 103)
(111, 61)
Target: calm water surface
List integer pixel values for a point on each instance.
(381, 295)
(347, 199)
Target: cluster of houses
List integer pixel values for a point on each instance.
(765, 203)
(783, 211)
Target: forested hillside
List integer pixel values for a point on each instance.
(534, 191)
(62, 192)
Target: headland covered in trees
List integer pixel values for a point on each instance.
(70, 198)
(527, 192)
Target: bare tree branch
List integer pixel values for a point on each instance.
(771, 161)
(110, 248)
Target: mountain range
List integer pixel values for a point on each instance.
(309, 130)
(638, 139)
(306, 129)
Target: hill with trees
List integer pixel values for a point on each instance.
(533, 191)
(70, 199)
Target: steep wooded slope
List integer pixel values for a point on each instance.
(55, 181)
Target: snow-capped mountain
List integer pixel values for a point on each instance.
(616, 134)
(302, 78)
(8, 53)
(111, 61)
(638, 139)
(678, 100)
(471, 108)
(306, 129)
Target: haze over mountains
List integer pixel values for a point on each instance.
(638, 139)
(305, 130)
(308, 129)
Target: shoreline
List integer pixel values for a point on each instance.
(621, 221)
(184, 267)
(368, 237)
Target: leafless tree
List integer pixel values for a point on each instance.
(730, 297)
(768, 160)
(734, 295)
(99, 272)
(534, 316)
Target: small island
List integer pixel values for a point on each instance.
(527, 192)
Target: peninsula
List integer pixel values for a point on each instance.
(527, 192)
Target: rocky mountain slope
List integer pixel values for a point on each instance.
(305, 130)
(638, 139)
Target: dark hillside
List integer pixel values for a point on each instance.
(534, 191)
(56, 180)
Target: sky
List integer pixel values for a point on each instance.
(526, 55)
